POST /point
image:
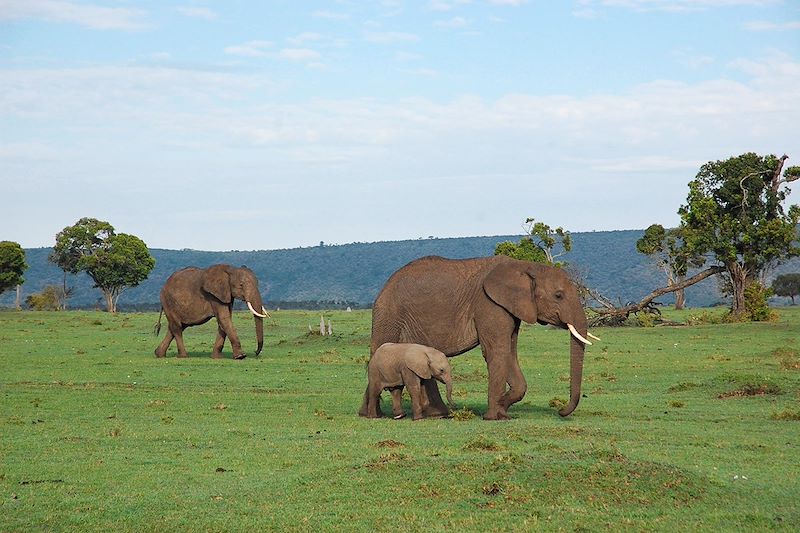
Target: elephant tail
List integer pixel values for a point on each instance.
(157, 327)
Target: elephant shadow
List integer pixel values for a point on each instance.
(480, 408)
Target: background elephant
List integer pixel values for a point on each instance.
(394, 365)
(454, 305)
(192, 296)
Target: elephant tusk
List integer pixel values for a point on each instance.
(595, 337)
(270, 316)
(577, 335)
(254, 311)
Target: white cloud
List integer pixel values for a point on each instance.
(692, 59)
(198, 12)
(89, 15)
(677, 5)
(250, 49)
(453, 23)
(515, 3)
(446, 5)
(586, 13)
(619, 150)
(390, 37)
(299, 54)
(760, 25)
(330, 15)
(304, 37)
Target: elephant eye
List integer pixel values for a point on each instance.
(559, 295)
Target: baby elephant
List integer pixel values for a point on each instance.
(394, 366)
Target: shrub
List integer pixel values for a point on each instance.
(50, 299)
(786, 414)
(755, 303)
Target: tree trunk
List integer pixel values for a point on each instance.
(680, 299)
(16, 302)
(110, 307)
(64, 306)
(738, 276)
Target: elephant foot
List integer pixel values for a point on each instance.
(240, 356)
(216, 355)
(183, 356)
(436, 412)
(160, 355)
(399, 416)
(364, 412)
(497, 415)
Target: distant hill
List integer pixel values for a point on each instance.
(335, 276)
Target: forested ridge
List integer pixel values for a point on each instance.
(335, 276)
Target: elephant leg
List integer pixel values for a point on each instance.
(516, 380)
(373, 399)
(397, 402)
(414, 386)
(218, 343)
(161, 351)
(497, 364)
(177, 332)
(225, 323)
(432, 402)
(364, 403)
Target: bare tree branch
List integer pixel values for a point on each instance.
(609, 311)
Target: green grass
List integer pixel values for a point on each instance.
(681, 428)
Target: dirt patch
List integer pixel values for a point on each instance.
(389, 443)
(752, 389)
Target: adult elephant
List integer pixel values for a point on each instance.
(455, 305)
(193, 296)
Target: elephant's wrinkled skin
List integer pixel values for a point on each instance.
(193, 296)
(455, 305)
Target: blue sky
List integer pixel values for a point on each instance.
(262, 125)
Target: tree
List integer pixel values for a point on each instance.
(666, 248)
(12, 266)
(113, 261)
(75, 242)
(787, 285)
(734, 217)
(538, 245)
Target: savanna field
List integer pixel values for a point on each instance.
(681, 428)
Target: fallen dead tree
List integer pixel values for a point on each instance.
(610, 315)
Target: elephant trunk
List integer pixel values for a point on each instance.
(576, 349)
(254, 302)
(259, 333)
(449, 387)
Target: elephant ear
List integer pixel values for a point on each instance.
(217, 282)
(417, 361)
(510, 285)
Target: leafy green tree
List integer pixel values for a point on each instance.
(538, 245)
(113, 261)
(75, 242)
(734, 217)
(666, 247)
(12, 266)
(787, 285)
(524, 250)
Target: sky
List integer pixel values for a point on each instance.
(253, 125)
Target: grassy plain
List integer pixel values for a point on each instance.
(682, 428)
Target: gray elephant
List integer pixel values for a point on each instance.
(193, 296)
(456, 305)
(414, 366)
